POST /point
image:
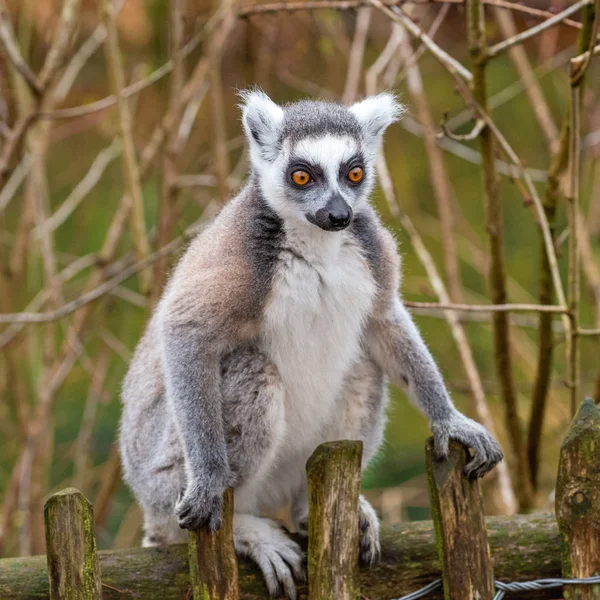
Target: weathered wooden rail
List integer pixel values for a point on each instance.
(470, 553)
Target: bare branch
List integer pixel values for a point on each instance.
(275, 7)
(83, 188)
(586, 55)
(11, 46)
(533, 31)
(129, 162)
(130, 90)
(60, 42)
(533, 88)
(357, 52)
(396, 15)
(472, 135)
(487, 308)
(14, 181)
(103, 289)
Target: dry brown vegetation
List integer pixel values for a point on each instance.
(119, 138)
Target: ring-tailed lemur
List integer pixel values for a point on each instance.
(277, 331)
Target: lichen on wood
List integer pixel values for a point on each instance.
(333, 533)
(578, 501)
(73, 567)
(213, 564)
(461, 535)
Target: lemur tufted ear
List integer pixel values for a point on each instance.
(262, 120)
(375, 114)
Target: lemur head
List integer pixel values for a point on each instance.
(315, 160)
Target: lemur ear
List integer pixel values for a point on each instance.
(375, 114)
(262, 120)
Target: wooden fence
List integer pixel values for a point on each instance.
(469, 552)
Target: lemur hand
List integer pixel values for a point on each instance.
(200, 505)
(487, 452)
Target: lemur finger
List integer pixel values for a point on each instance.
(473, 467)
(268, 572)
(294, 557)
(214, 516)
(192, 521)
(284, 575)
(441, 443)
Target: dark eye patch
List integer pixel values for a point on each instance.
(314, 171)
(356, 161)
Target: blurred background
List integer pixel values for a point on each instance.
(91, 186)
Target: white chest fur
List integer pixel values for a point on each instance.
(321, 297)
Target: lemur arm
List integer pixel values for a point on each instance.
(191, 377)
(397, 346)
(197, 321)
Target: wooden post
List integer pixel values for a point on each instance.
(334, 521)
(578, 501)
(213, 565)
(461, 536)
(73, 569)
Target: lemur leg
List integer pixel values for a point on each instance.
(253, 414)
(161, 531)
(368, 522)
(369, 532)
(280, 558)
(364, 400)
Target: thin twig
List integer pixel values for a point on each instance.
(275, 7)
(467, 137)
(11, 46)
(60, 42)
(537, 29)
(494, 224)
(14, 181)
(396, 15)
(442, 188)
(488, 308)
(215, 46)
(169, 192)
(101, 290)
(54, 58)
(133, 89)
(533, 88)
(383, 60)
(85, 185)
(131, 172)
(586, 55)
(357, 52)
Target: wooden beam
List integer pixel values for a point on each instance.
(523, 547)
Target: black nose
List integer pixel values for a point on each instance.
(340, 218)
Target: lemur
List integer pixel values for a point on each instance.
(277, 331)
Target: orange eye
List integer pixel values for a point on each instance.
(355, 175)
(300, 177)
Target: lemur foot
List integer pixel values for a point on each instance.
(369, 533)
(280, 558)
(486, 451)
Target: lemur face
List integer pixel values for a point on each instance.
(326, 179)
(315, 160)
